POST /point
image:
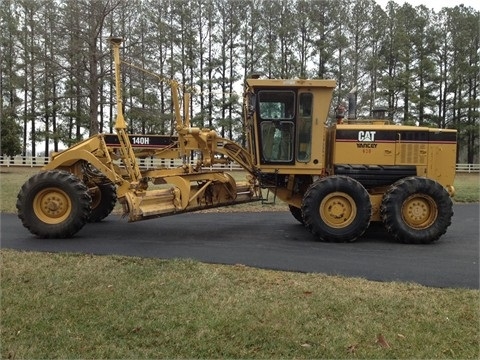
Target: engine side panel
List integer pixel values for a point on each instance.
(367, 150)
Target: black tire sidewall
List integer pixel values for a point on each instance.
(108, 199)
(71, 186)
(393, 202)
(296, 213)
(322, 188)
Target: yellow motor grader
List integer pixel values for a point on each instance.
(336, 177)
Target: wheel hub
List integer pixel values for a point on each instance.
(338, 210)
(52, 206)
(419, 211)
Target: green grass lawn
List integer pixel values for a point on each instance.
(467, 187)
(83, 306)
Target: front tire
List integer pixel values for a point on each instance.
(53, 204)
(104, 198)
(336, 208)
(416, 210)
(102, 191)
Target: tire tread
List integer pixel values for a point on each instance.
(69, 183)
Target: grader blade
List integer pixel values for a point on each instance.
(188, 193)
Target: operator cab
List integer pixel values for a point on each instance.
(280, 115)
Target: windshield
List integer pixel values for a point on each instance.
(276, 104)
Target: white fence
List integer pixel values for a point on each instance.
(30, 161)
(18, 160)
(468, 168)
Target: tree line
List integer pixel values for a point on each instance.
(56, 80)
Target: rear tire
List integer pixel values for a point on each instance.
(336, 208)
(53, 204)
(416, 210)
(297, 213)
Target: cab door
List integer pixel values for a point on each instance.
(276, 126)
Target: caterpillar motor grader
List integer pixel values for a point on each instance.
(336, 177)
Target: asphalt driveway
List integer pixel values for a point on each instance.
(274, 240)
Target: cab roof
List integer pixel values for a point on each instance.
(295, 83)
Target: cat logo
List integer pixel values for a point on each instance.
(366, 136)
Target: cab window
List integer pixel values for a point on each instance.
(276, 110)
(304, 127)
(277, 141)
(276, 104)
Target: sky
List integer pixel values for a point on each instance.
(435, 4)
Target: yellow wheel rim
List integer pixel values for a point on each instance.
(419, 211)
(52, 206)
(338, 210)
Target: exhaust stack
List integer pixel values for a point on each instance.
(352, 103)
